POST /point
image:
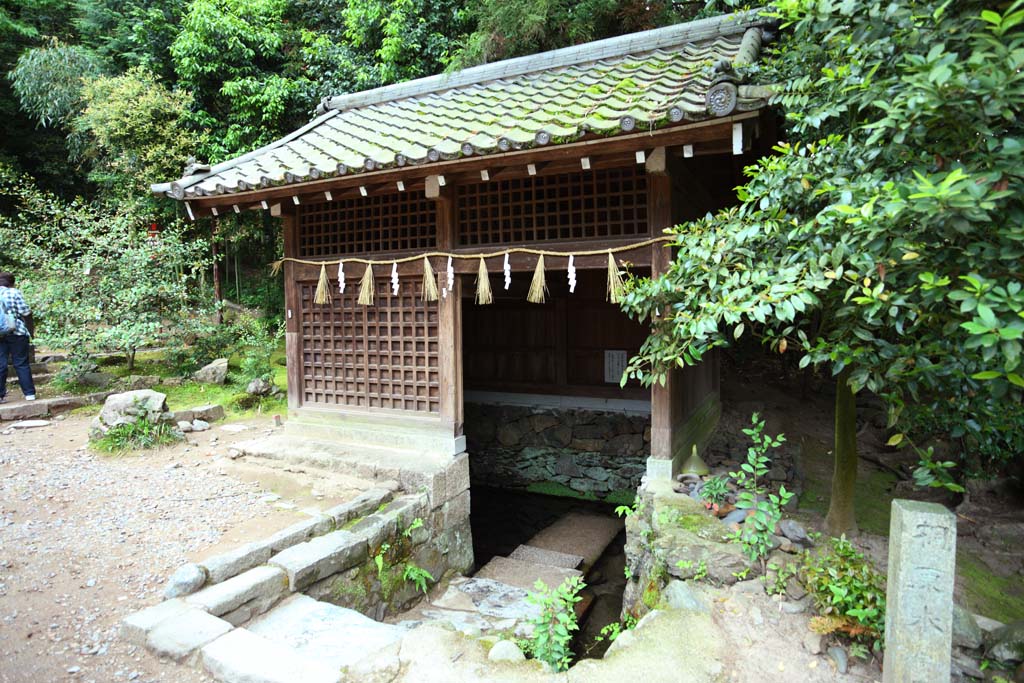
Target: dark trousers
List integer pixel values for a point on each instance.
(17, 345)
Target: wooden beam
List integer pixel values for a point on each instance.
(659, 215)
(686, 133)
(293, 326)
(450, 324)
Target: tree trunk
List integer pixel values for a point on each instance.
(130, 357)
(840, 519)
(217, 294)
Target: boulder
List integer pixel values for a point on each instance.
(128, 408)
(506, 651)
(100, 380)
(1007, 643)
(186, 580)
(260, 387)
(795, 532)
(208, 413)
(214, 373)
(142, 381)
(200, 425)
(966, 632)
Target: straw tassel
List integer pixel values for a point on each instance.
(483, 285)
(538, 286)
(366, 287)
(615, 286)
(429, 283)
(323, 287)
(275, 267)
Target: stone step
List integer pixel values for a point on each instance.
(579, 533)
(552, 558)
(23, 410)
(40, 378)
(424, 435)
(245, 657)
(318, 631)
(524, 575)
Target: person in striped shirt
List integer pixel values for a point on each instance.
(16, 344)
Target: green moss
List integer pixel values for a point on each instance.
(621, 497)
(553, 488)
(989, 594)
(872, 499)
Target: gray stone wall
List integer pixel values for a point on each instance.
(586, 453)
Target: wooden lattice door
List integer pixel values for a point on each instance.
(383, 356)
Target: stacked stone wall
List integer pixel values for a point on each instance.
(587, 453)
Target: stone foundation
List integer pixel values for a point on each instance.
(584, 453)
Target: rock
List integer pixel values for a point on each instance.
(142, 381)
(259, 387)
(685, 595)
(966, 632)
(100, 380)
(185, 580)
(320, 557)
(262, 586)
(795, 606)
(1007, 643)
(184, 427)
(542, 422)
(135, 627)
(814, 642)
(214, 373)
(735, 517)
(795, 532)
(200, 425)
(244, 657)
(506, 651)
(209, 413)
(234, 562)
(128, 408)
(966, 666)
(30, 424)
(838, 656)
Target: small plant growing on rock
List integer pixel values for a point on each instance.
(848, 592)
(553, 627)
(715, 490)
(417, 575)
(137, 435)
(766, 510)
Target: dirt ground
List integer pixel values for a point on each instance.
(86, 539)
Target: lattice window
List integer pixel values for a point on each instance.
(380, 356)
(596, 204)
(380, 223)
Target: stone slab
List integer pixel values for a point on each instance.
(524, 574)
(919, 593)
(225, 565)
(299, 532)
(30, 424)
(360, 506)
(266, 584)
(319, 631)
(456, 476)
(208, 413)
(320, 557)
(181, 635)
(553, 558)
(136, 626)
(244, 657)
(579, 533)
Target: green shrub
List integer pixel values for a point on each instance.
(553, 627)
(714, 490)
(137, 436)
(758, 528)
(848, 592)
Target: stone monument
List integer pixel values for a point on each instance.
(919, 594)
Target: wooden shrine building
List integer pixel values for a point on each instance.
(573, 154)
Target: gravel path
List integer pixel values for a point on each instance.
(86, 539)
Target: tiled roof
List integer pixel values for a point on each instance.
(642, 81)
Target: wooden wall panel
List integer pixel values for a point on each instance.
(381, 356)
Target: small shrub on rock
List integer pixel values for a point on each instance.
(848, 592)
(553, 627)
(137, 436)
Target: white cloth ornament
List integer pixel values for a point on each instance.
(394, 279)
(450, 273)
(508, 272)
(572, 274)
(341, 277)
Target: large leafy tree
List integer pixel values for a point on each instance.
(883, 241)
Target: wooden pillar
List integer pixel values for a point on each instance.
(659, 216)
(293, 327)
(450, 323)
